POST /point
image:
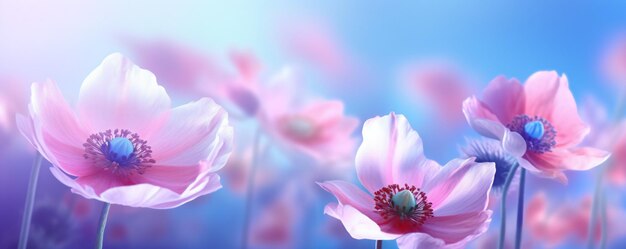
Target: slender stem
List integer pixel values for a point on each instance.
(603, 221)
(102, 224)
(250, 189)
(520, 210)
(30, 201)
(379, 244)
(505, 190)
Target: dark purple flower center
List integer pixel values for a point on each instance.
(538, 133)
(120, 151)
(408, 204)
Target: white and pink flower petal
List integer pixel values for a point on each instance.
(461, 186)
(392, 152)
(358, 225)
(119, 94)
(206, 129)
(505, 98)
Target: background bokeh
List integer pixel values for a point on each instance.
(363, 54)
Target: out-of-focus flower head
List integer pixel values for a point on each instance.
(538, 123)
(614, 60)
(567, 220)
(13, 99)
(313, 127)
(438, 85)
(409, 197)
(314, 41)
(609, 135)
(488, 150)
(277, 221)
(195, 73)
(124, 144)
(616, 172)
(177, 66)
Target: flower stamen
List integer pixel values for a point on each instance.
(120, 151)
(538, 133)
(408, 204)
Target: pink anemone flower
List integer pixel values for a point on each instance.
(13, 99)
(614, 60)
(440, 85)
(311, 127)
(316, 43)
(178, 66)
(409, 197)
(124, 144)
(538, 123)
(609, 135)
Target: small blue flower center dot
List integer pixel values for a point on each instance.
(120, 148)
(534, 129)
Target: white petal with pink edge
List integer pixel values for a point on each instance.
(119, 94)
(391, 152)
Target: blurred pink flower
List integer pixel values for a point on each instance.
(616, 172)
(124, 144)
(316, 43)
(409, 197)
(277, 221)
(193, 72)
(442, 86)
(537, 122)
(239, 91)
(317, 128)
(13, 99)
(178, 67)
(608, 135)
(614, 60)
(554, 226)
(237, 171)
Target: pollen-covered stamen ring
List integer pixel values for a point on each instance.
(538, 142)
(118, 159)
(416, 214)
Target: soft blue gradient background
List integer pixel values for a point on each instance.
(65, 40)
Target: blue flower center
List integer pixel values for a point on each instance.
(539, 134)
(120, 149)
(534, 129)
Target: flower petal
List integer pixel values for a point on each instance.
(206, 129)
(143, 195)
(461, 187)
(54, 130)
(174, 178)
(392, 152)
(358, 225)
(150, 196)
(505, 98)
(583, 158)
(475, 109)
(118, 94)
(457, 230)
(349, 194)
(56, 117)
(513, 143)
(541, 89)
(570, 128)
(419, 241)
